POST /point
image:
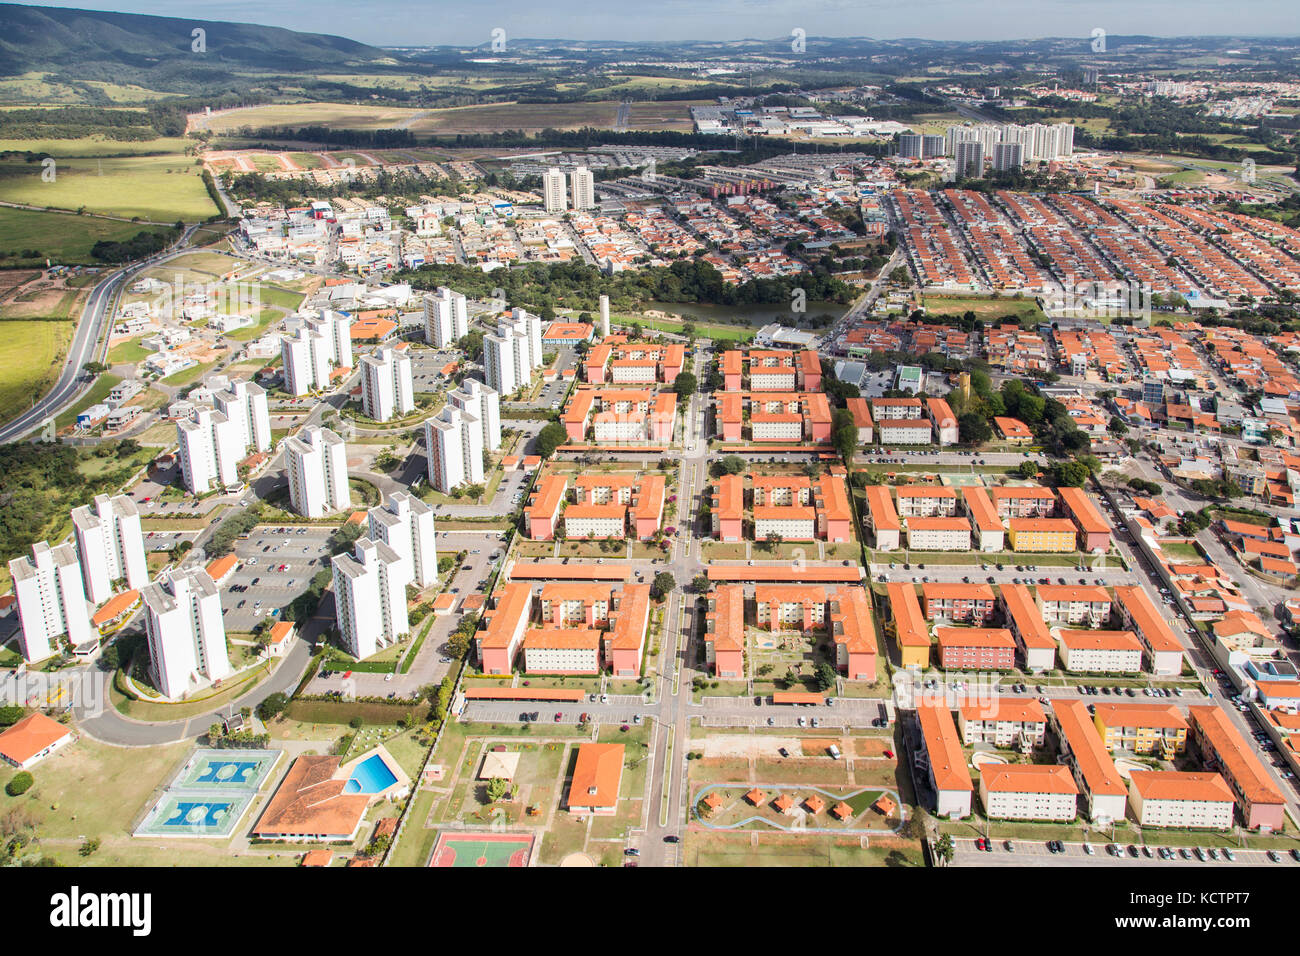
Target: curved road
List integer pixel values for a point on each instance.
(85, 341)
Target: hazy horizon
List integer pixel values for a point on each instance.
(408, 23)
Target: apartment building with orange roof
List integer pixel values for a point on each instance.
(958, 602)
(784, 606)
(724, 630)
(1184, 799)
(1028, 791)
(862, 420)
(850, 622)
(1041, 535)
(1073, 604)
(613, 504)
(1141, 728)
(624, 641)
(942, 761)
(633, 363)
(1223, 749)
(1023, 501)
(926, 501)
(938, 534)
(1004, 722)
(1025, 621)
(543, 509)
(945, 422)
(1094, 530)
(989, 532)
(975, 648)
(1013, 430)
(617, 416)
(506, 621)
(1098, 652)
(910, 630)
(770, 370)
(1100, 784)
(727, 511)
(882, 517)
(1161, 648)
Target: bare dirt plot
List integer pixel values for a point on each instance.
(738, 745)
(523, 116)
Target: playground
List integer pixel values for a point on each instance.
(482, 849)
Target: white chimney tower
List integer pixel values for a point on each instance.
(604, 316)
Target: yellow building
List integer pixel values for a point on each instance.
(1142, 728)
(1042, 534)
(910, 631)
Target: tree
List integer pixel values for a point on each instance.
(700, 583)
(345, 537)
(973, 428)
(685, 385)
(844, 434)
(20, 784)
(1071, 474)
(274, 705)
(11, 713)
(498, 788)
(943, 850)
(730, 465)
(664, 584)
(551, 437)
(825, 675)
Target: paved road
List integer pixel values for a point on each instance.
(85, 341)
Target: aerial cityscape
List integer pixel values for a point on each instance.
(772, 448)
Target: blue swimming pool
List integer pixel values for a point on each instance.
(370, 776)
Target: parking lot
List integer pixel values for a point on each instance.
(427, 366)
(166, 540)
(259, 587)
(1036, 853)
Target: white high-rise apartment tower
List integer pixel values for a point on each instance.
(317, 464)
(583, 188)
(187, 636)
(370, 597)
(51, 600)
(244, 404)
(446, 318)
(320, 346)
(387, 387)
(405, 524)
(211, 446)
(453, 444)
(110, 545)
(482, 404)
(553, 190)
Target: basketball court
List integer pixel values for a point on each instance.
(482, 849)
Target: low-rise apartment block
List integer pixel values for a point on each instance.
(958, 602)
(1028, 792)
(1005, 722)
(941, 759)
(975, 648)
(1102, 788)
(1098, 652)
(1142, 728)
(1088, 605)
(1223, 749)
(1025, 620)
(1187, 800)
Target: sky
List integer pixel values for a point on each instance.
(466, 22)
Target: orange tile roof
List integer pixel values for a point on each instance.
(725, 572)
(311, 800)
(1084, 511)
(1146, 618)
(25, 739)
(1180, 785)
(115, 606)
(1027, 778)
(280, 630)
(1015, 709)
(596, 775)
(996, 637)
(1082, 639)
(1159, 716)
(981, 509)
(524, 693)
(220, 567)
(543, 571)
(909, 624)
(1073, 594)
(947, 763)
(318, 858)
(1028, 619)
(1086, 746)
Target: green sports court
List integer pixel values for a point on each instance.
(482, 849)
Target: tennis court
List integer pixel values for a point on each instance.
(482, 849)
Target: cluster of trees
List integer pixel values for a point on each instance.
(39, 481)
(551, 437)
(1144, 486)
(78, 122)
(254, 187)
(144, 243)
(543, 288)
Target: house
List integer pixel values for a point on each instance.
(32, 739)
(597, 776)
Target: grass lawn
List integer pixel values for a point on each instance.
(59, 236)
(154, 711)
(706, 848)
(187, 375)
(416, 843)
(31, 359)
(159, 188)
(984, 307)
(130, 351)
(68, 805)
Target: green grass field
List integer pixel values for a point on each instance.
(63, 238)
(984, 307)
(158, 188)
(30, 354)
